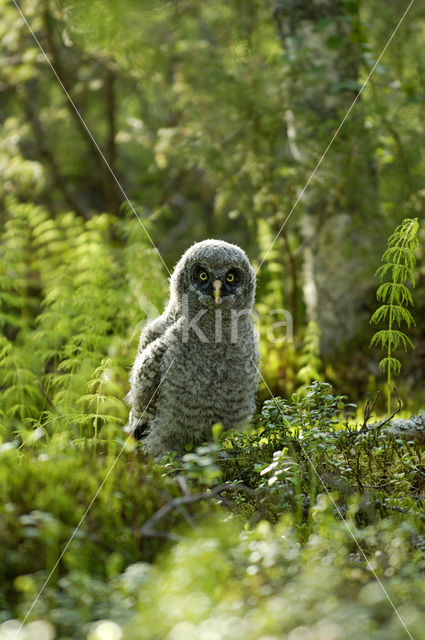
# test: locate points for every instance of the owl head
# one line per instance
(213, 274)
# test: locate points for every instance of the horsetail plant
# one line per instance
(398, 263)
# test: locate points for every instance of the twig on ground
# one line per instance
(368, 410)
(148, 529)
(368, 414)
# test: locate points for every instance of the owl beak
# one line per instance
(217, 284)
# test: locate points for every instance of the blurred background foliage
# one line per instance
(212, 117)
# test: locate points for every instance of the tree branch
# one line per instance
(148, 529)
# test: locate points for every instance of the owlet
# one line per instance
(197, 362)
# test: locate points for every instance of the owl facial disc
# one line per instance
(213, 273)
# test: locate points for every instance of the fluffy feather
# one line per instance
(211, 366)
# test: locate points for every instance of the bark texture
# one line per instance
(322, 41)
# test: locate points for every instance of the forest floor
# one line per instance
(305, 526)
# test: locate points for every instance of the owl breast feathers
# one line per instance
(197, 362)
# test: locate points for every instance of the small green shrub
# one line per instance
(228, 582)
(275, 558)
(45, 493)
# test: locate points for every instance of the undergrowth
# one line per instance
(252, 535)
(69, 299)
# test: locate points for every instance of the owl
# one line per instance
(197, 362)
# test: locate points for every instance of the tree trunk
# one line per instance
(321, 43)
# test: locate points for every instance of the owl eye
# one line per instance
(230, 277)
(203, 275)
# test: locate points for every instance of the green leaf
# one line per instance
(392, 363)
(380, 314)
(335, 42)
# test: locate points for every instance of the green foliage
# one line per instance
(278, 536)
(212, 116)
(44, 496)
(398, 263)
(277, 312)
(255, 583)
(301, 444)
(210, 135)
(238, 582)
(309, 360)
(201, 465)
(70, 297)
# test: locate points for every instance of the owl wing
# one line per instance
(145, 379)
(155, 329)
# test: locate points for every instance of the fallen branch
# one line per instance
(394, 507)
(368, 410)
(368, 413)
(412, 428)
(148, 529)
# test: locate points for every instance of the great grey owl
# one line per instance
(197, 362)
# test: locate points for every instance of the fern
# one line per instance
(68, 307)
(281, 362)
(398, 263)
(309, 361)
